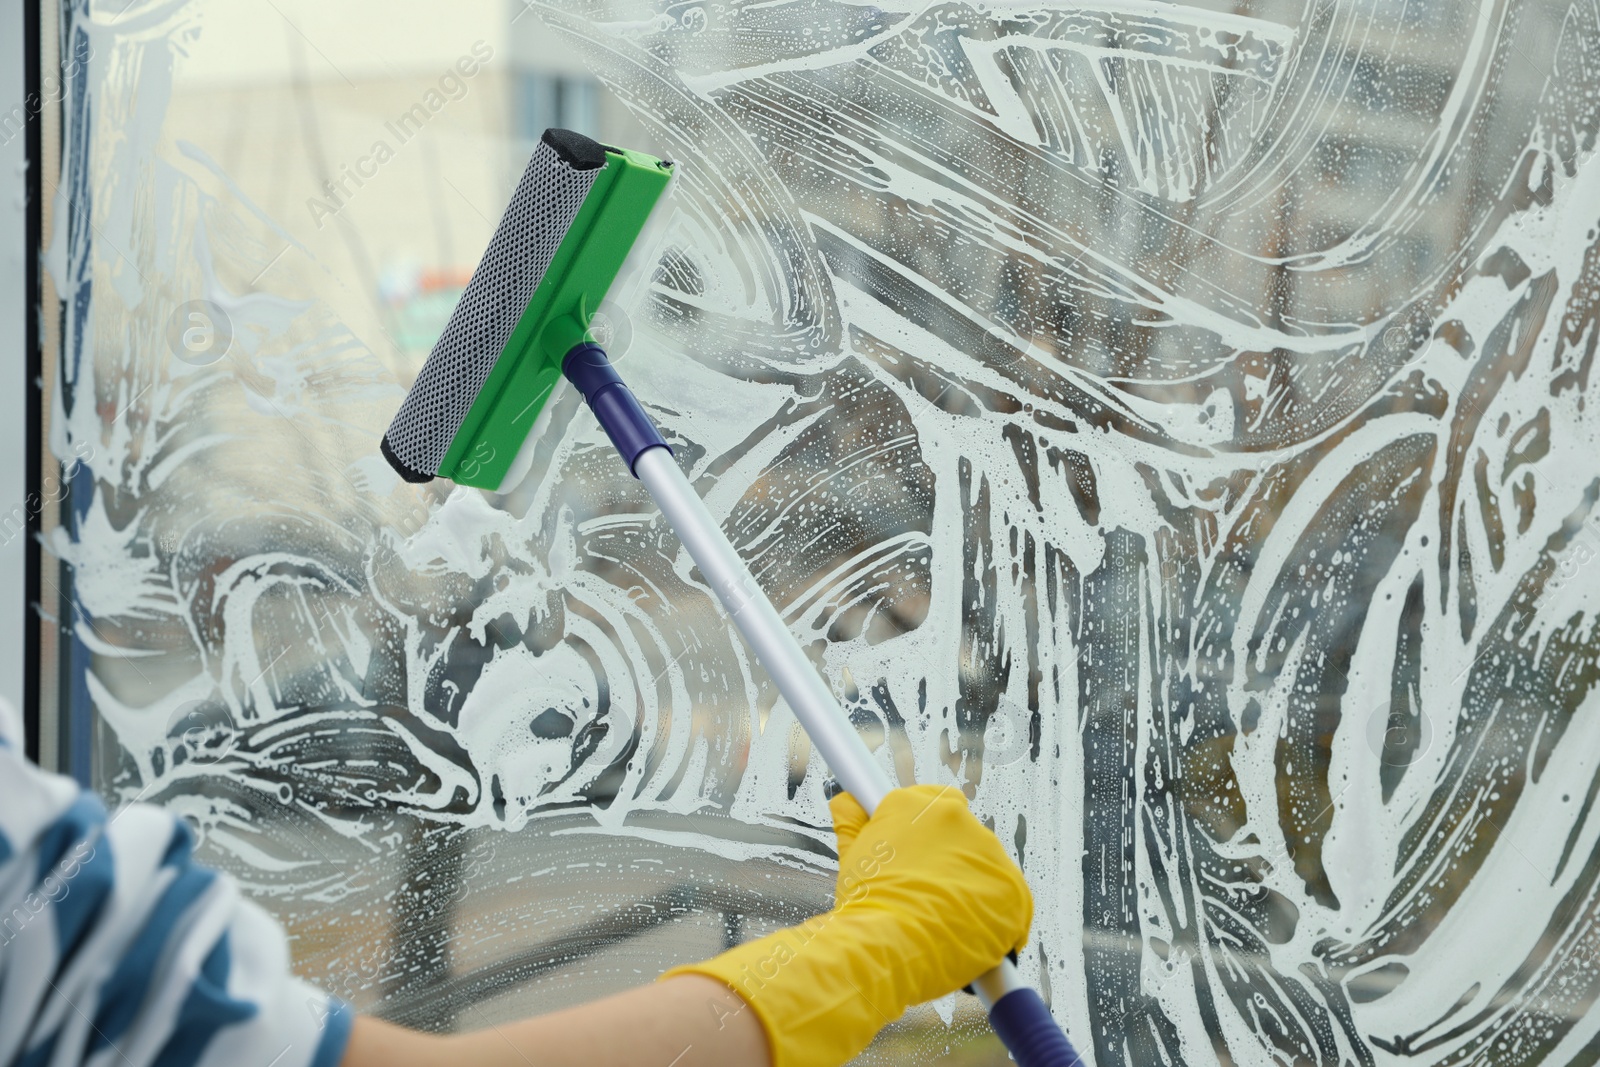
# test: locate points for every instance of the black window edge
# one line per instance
(33, 618)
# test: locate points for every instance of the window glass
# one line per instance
(1166, 423)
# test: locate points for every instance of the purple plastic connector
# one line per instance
(612, 402)
(1033, 1038)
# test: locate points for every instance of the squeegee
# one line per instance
(523, 324)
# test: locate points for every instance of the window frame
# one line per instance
(21, 409)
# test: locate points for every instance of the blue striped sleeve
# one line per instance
(123, 995)
(207, 1009)
(116, 945)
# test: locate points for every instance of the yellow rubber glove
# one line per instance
(927, 900)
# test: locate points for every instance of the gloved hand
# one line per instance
(927, 900)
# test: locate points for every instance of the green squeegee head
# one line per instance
(575, 217)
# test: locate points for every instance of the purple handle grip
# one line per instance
(613, 403)
(1029, 1032)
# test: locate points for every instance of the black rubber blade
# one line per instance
(400, 468)
(576, 150)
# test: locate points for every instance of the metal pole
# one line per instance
(1016, 1012)
(775, 646)
(769, 636)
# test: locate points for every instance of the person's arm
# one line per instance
(127, 942)
(688, 1021)
(926, 900)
